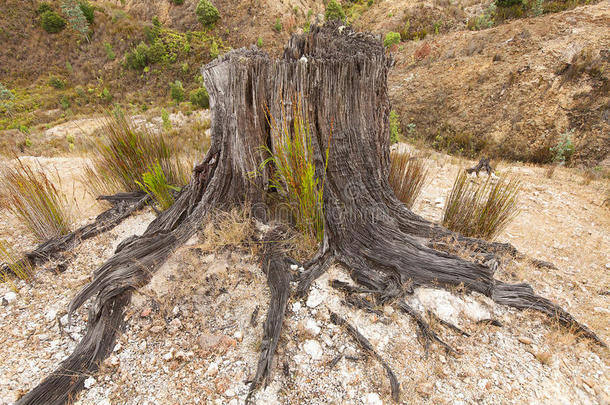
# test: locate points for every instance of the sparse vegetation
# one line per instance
(227, 230)
(207, 14)
(76, 18)
(52, 22)
(407, 176)
(562, 152)
(391, 38)
(57, 83)
(277, 27)
(87, 10)
(126, 153)
(334, 11)
(22, 269)
(109, 51)
(481, 210)
(33, 198)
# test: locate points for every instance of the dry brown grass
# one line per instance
(550, 171)
(407, 176)
(228, 229)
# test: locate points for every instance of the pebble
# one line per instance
(296, 307)
(10, 297)
(525, 340)
(313, 348)
(311, 327)
(51, 315)
(372, 399)
(212, 370)
(315, 298)
(239, 335)
(89, 382)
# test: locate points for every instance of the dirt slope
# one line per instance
(511, 90)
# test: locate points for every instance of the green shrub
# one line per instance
(200, 98)
(57, 83)
(76, 17)
(277, 27)
(178, 2)
(109, 52)
(87, 10)
(43, 8)
(259, 42)
(481, 210)
(176, 91)
(391, 38)
(564, 149)
(20, 267)
(334, 11)
(167, 124)
(6, 99)
(508, 3)
(407, 176)
(138, 58)
(157, 52)
(33, 198)
(214, 50)
(125, 153)
(394, 127)
(52, 22)
(155, 184)
(207, 14)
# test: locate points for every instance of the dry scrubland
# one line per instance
(193, 334)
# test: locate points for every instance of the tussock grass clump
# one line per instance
(294, 175)
(17, 266)
(33, 198)
(126, 154)
(407, 176)
(481, 210)
(227, 229)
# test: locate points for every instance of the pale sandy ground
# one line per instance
(189, 337)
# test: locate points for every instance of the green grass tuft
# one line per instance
(294, 174)
(481, 210)
(407, 176)
(155, 184)
(17, 266)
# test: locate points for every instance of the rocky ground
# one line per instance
(193, 333)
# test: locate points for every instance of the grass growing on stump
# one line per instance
(127, 153)
(33, 198)
(295, 172)
(481, 210)
(407, 176)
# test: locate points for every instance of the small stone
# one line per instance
(64, 320)
(117, 347)
(10, 297)
(145, 312)
(372, 399)
(388, 310)
(311, 327)
(315, 298)
(525, 340)
(424, 389)
(313, 348)
(168, 356)
(89, 382)
(157, 329)
(293, 267)
(296, 307)
(239, 336)
(175, 325)
(176, 310)
(229, 393)
(51, 315)
(212, 370)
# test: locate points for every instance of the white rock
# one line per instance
(64, 320)
(212, 370)
(311, 327)
(176, 310)
(168, 356)
(229, 393)
(89, 382)
(239, 335)
(10, 297)
(296, 307)
(315, 298)
(294, 266)
(372, 399)
(313, 348)
(51, 315)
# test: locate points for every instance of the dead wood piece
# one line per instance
(368, 347)
(426, 332)
(361, 303)
(103, 222)
(482, 165)
(448, 324)
(276, 266)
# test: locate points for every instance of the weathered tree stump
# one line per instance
(341, 77)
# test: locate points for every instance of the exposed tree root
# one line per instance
(482, 165)
(124, 205)
(368, 347)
